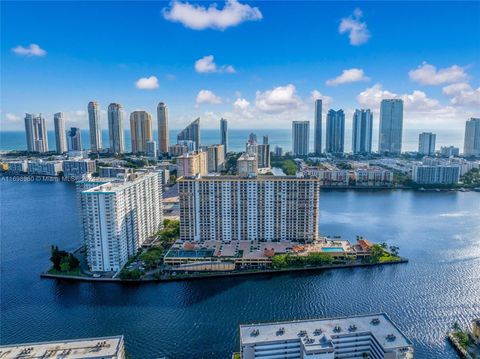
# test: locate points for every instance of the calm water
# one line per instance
(237, 138)
(439, 232)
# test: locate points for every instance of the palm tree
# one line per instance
(365, 355)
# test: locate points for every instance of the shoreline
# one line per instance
(47, 275)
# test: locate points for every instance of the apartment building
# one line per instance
(44, 168)
(78, 168)
(192, 163)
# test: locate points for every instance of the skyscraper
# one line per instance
(74, 139)
(162, 119)
(191, 132)
(36, 133)
(140, 130)
(94, 125)
(362, 131)
(224, 135)
(426, 143)
(335, 131)
(391, 126)
(115, 128)
(471, 145)
(300, 134)
(60, 136)
(215, 158)
(317, 137)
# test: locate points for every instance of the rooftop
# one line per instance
(93, 348)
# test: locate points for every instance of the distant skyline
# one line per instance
(240, 61)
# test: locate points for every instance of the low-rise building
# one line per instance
(113, 172)
(16, 167)
(373, 177)
(362, 336)
(44, 168)
(329, 177)
(78, 168)
(90, 348)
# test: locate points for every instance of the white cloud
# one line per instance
(326, 100)
(357, 30)
(278, 99)
(347, 76)
(147, 83)
(462, 94)
(372, 96)
(207, 96)
(10, 117)
(199, 17)
(456, 88)
(207, 65)
(30, 50)
(427, 74)
(241, 104)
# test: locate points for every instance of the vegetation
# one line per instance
(344, 166)
(152, 257)
(231, 162)
(63, 261)
(288, 260)
(287, 165)
(379, 254)
(131, 274)
(471, 178)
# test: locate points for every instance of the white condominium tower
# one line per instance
(300, 134)
(216, 158)
(191, 133)
(117, 217)
(391, 126)
(60, 137)
(162, 119)
(140, 130)
(94, 125)
(426, 143)
(74, 138)
(317, 128)
(265, 208)
(192, 164)
(115, 128)
(362, 132)
(224, 135)
(36, 133)
(472, 138)
(335, 136)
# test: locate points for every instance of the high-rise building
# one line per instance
(265, 140)
(300, 134)
(449, 151)
(335, 136)
(60, 134)
(162, 119)
(191, 132)
(263, 155)
(118, 217)
(151, 150)
(391, 126)
(471, 145)
(140, 130)
(247, 164)
(278, 151)
(362, 336)
(36, 132)
(115, 128)
(224, 135)
(441, 174)
(74, 139)
(94, 126)
(263, 208)
(252, 138)
(216, 158)
(362, 132)
(192, 164)
(426, 143)
(317, 128)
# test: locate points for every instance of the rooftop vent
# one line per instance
(302, 333)
(281, 331)
(255, 332)
(317, 331)
(375, 321)
(352, 328)
(337, 329)
(391, 337)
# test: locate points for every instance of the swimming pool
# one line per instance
(332, 249)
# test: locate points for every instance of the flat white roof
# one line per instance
(328, 327)
(90, 348)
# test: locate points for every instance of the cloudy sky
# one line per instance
(258, 64)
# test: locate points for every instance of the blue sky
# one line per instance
(259, 64)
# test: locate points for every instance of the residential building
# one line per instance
(74, 139)
(94, 126)
(263, 155)
(178, 150)
(441, 174)
(17, 167)
(162, 119)
(192, 164)
(89, 348)
(79, 168)
(426, 143)
(36, 132)
(300, 133)
(60, 134)
(44, 168)
(265, 140)
(252, 138)
(263, 208)
(391, 126)
(224, 135)
(216, 158)
(471, 145)
(278, 151)
(449, 151)
(191, 132)
(362, 132)
(247, 164)
(140, 130)
(317, 128)
(118, 217)
(362, 336)
(115, 128)
(113, 172)
(373, 177)
(329, 177)
(151, 149)
(191, 145)
(335, 136)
